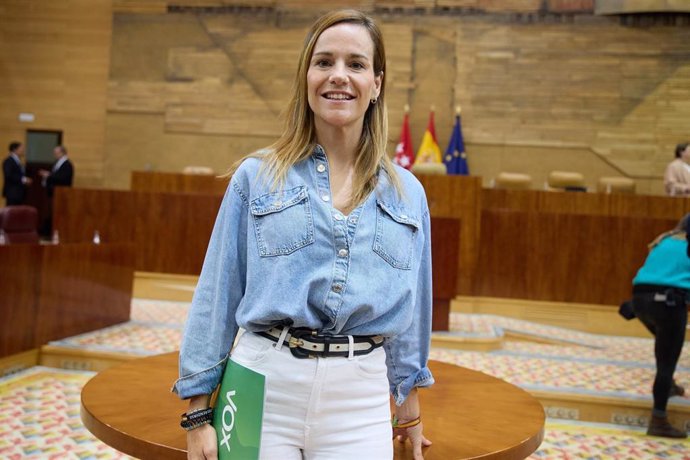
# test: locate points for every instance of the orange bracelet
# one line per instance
(410, 424)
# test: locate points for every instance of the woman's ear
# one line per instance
(378, 80)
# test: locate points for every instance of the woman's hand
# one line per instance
(409, 411)
(416, 437)
(202, 443)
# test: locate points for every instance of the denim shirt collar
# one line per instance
(387, 197)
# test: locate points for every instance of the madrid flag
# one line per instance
(403, 151)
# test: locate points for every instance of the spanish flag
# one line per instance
(429, 152)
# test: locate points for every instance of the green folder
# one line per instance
(239, 412)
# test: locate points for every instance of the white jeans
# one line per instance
(320, 409)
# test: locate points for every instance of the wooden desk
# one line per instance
(49, 292)
(467, 414)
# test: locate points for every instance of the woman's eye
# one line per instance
(357, 65)
(322, 63)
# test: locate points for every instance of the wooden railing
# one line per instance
(574, 247)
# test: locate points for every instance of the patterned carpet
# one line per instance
(39, 419)
(39, 407)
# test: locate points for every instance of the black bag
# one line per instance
(626, 310)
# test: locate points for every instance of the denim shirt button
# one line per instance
(326, 198)
(343, 253)
(337, 288)
(321, 168)
(338, 216)
(353, 220)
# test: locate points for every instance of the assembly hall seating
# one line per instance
(19, 224)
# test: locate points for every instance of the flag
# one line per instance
(428, 151)
(455, 157)
(403, 151)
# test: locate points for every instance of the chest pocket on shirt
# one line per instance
(282, 221)
(395, 236)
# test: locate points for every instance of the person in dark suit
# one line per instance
(16, 181)
(61, 174)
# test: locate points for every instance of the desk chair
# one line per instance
(437, 169)
(201, 170)
(512, 181)
(616, 184)
(565, 181)
(19, 224)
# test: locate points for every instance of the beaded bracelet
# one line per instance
(409, 424)
(196, 418)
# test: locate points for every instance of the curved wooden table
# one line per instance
(467, 414)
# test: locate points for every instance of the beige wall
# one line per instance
(565, 92)
(54, 60)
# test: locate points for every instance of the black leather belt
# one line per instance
(308, 343)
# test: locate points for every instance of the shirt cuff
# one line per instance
(420, 379)
(200, 383)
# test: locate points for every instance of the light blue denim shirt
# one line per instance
(289, 257)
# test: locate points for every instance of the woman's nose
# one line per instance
(338, 75)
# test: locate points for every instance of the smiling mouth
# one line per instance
(338, 97)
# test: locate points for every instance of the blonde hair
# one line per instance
(298, 139)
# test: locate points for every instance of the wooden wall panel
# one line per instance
(502, 261)
(586, 203)
(50, 292)
(18, 297)
(591, 94)
(177, 183)
(585, 86)
(517, 200)
(445, 252)
(562, 257)
(173, 230)
(170, 230)
(83, 287)
(55, 58)
(78, 213)
(458, 197)
(649, 206)
(573, 202)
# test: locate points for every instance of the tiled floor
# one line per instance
(39, 407)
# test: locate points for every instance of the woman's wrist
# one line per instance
(409, 410)
(401, 424)
(199, 402)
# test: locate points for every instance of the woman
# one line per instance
(661, 291)
(677, 175)
(320, 233)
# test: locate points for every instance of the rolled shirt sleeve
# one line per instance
(408, 352)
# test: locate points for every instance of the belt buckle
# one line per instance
(295, 343)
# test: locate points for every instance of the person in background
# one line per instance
(61, 174)
(322, 250)
(677, 175)
(16, 181)
(661, 290)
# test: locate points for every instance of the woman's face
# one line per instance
(340, 79)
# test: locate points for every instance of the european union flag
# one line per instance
(455, 157)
